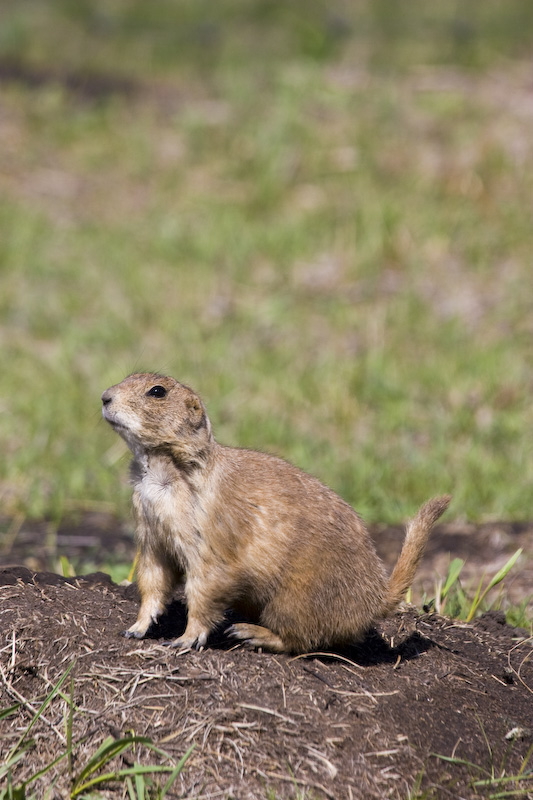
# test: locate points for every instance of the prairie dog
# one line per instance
(248, 531)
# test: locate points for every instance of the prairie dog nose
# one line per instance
(107, 397)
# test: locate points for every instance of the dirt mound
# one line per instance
(363, 723)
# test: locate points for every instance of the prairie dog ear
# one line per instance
(196, 411)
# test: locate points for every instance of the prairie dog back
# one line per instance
(246, 530)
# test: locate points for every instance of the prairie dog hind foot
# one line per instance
(257, 636)
(187, 643)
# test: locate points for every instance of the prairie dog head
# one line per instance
(156, 413)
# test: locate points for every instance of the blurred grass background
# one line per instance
(318, 214)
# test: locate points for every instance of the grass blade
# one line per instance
(14, 759)
(48, 767)
(6, 712)
(129, 787)
(459, 761)
(525, 761)
(488, 782)
(70, 720)
(131, 574)
(453, 573)
(109, 748)
(500, 575)
(66, 567)
(44, 705)
(176, 772)
(118, 775)
(112, 747)
(476, 601)
(140, 786)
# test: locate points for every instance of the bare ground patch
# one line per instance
(364, 723)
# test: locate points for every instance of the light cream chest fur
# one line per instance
(172, 515)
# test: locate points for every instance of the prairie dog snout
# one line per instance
(247, 530)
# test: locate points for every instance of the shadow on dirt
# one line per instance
(372, 651)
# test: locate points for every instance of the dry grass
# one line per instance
(358, 724)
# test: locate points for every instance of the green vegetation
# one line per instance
(99, 768)
(318, 215)
(493, 779)
(453, 600)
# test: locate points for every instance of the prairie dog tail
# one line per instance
(418, 530)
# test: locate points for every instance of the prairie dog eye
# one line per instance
(156, 391)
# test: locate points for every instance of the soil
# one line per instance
(373, 721)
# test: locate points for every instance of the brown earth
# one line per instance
(368, 722)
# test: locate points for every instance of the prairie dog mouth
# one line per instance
(112, 421)
(118, 426)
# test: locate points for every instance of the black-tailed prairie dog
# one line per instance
(248, 531)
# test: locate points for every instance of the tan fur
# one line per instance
(248, 531)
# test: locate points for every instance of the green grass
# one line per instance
(492, 779)
(98, 769)
(462, 602)
(316, 215)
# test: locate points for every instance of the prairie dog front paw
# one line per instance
(132, 634)
(150, 611)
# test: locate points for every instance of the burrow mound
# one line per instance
(368, 722)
